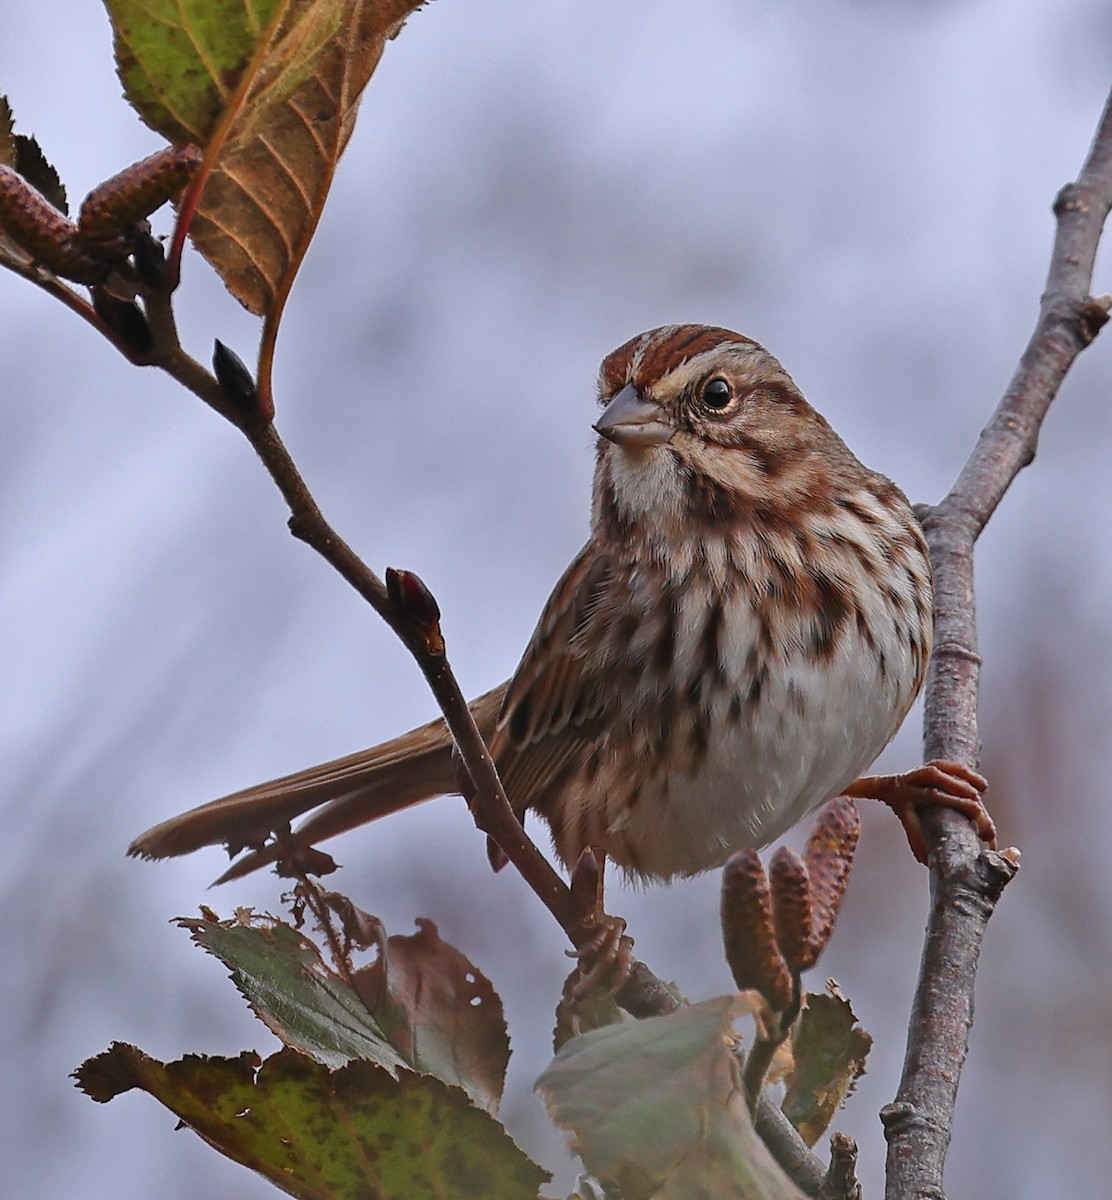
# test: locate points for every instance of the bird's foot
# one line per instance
(938, 782)
(604, 952)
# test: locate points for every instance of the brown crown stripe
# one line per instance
(672, 346)
(660, 351)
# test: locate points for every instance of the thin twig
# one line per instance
(757, 1064)
(796, 1159)
(965, 882)
(841, 1177)
(643, 994)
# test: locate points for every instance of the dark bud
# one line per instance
(304, 860)
(126, 320)
(149, 256)
(413, 600)
(234, 377)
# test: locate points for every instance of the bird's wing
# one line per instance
(558, 698)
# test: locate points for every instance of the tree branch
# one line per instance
(966, 882)
(408, 614)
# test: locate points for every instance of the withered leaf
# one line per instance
(829, 1049)
(270, 88)
(439, 1012)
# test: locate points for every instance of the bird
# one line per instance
(743, 633)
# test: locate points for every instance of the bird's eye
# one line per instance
(717, 393)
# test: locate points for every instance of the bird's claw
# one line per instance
(938, 782)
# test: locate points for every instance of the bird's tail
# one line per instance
(346, 792)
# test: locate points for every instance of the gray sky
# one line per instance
(864, 188)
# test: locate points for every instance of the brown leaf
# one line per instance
(277, 147)
(439, 1012)
(7, 137)
(830, 1049)
(34, 166)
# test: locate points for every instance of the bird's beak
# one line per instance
(632, 421)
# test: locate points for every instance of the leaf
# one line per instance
(286, 982)
(180, 64)
(270, 88)
(439, 1012)
(421, 1005)
(33, 165)
(830, 1049)
(23, 154)
(7, 137)
(329, 1135)
(657, 1109)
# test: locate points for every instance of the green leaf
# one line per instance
(284, 979)
(829, 1049)
(349, 1134)
(657, 1109)
(180, 61)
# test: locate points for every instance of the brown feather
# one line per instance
(353, 790)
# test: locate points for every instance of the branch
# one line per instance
(966, 882)
(412, 613)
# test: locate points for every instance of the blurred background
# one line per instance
(863, 187)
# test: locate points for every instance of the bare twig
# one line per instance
(965, 882)
(643, 994)
(757, 1064)
(841, 1178)
(795, 1158)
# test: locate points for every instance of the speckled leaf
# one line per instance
(329, 1135)
(829, 1049)
(284, 979)
(657, 1110)
(439, 1012)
